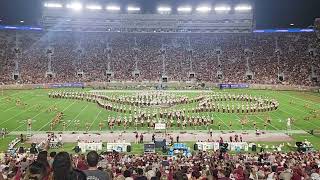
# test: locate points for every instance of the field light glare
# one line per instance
(53, 5)
(222, 8)
(94, 7)
(113, 8)
(131, 8)
(75, 6)
(203, 9)
(243, 8)
(164, 9)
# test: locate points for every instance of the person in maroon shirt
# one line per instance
(81, 165)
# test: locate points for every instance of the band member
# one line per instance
(77, 125)
(64, 125)
(255, 125)
(51, 125)
(29, 123)
(100, 125)
(149, 123)
(125, 122)
(119, 121)
(87, 126)
(178, 123)
(184, 124)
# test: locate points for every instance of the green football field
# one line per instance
(297, 105)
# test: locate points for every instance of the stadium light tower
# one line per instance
(93, 7)
(222, 9)
(52, 5)
(75, 6)
(133, 9)
(243, 8)
(184, 9)
(203, 9)
(113, 8)
(164, 9)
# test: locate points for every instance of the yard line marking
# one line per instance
(291, 123)
(317, 104)
(19, 97)
(95, 119)
(42, 111)
(16, 106)
(303, 120)
(222, 121)
(77, 116)
(17, 115)
(13, 94)
(62, 111)
(269, 124)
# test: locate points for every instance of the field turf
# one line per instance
(292, 104)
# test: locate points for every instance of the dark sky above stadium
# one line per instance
(268, 13)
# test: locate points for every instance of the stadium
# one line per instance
(158, 90)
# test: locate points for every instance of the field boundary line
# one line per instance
(16, 115)
(77, 116)
(16, 105)
(95, 118)
(42, 111)
(62, 111)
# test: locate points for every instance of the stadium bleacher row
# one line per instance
(269, 58)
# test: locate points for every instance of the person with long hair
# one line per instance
(36, 171)
(63, 170)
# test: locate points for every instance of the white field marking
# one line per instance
(16, 106)
(304, 121)
(16, 115)
(285, 120)
(269, 124)
(317, 104)
(297, 109)
(77, 116)
(222, 121)
(95, 119)
(14, 94)
(42, 111)
(62, 111)
(239, 117)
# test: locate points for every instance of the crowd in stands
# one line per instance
(201, 165)
(91, 52)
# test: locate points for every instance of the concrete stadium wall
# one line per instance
(152, 85)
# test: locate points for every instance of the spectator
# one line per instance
(93, 172)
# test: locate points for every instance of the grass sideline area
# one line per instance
(138, 148)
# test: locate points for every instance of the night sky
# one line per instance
(268, 13)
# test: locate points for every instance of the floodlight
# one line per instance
(243, 8)
(75, 6)
(222, 8)
(22, 21)
(53, 5)
(184, 9)
(113, 8)
(94, 7)
(164, 9)
(132, 8)
(203, 9)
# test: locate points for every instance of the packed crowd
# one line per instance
(292, 55)
(201, 165)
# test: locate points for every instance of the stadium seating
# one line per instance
(271, 58)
